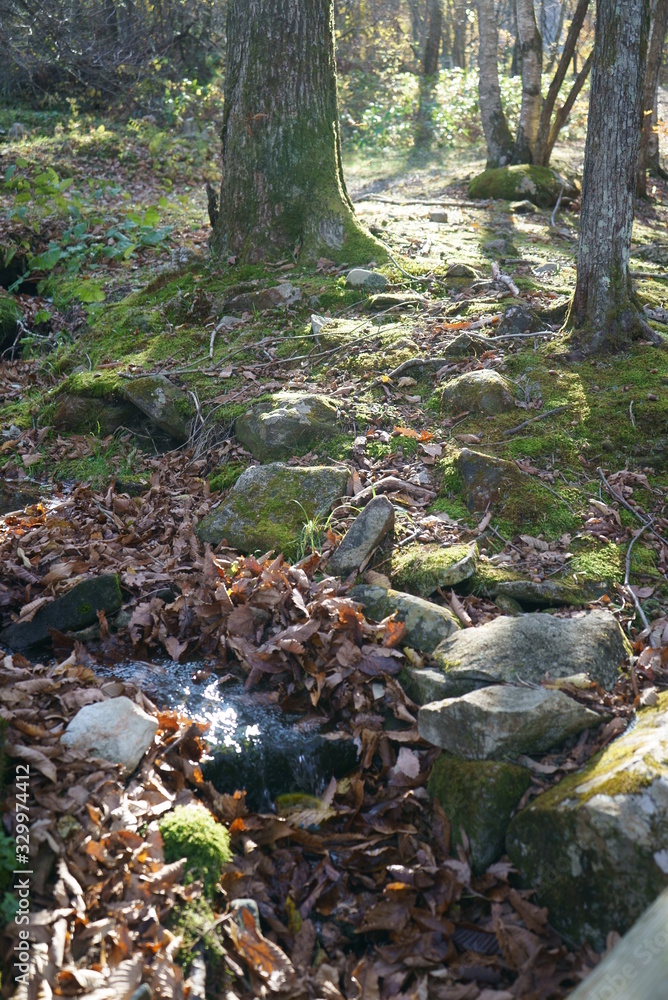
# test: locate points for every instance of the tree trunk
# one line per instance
(541, 155)
(459, 35)
(283, 190)
(432, 44)
(497, 134)
(424, 128)
(604, 314)
(654, 53)
(531, 46)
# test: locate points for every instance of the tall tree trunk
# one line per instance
(654, 53)
(541, 155)
(432, 43)
(283, 190)
(531, 45)
(459, 35)
(424, 129)
(497, 134)
(604, 313)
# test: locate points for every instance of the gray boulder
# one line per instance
(533, 648)
(286, 424)
(503, 721)
(540, 185)
(269, 505)
(86, 413)
(461, 271)
(168, 407)
(367, 531)
(425, 684)
(483, 391)
(478, 797)
(426, 623)
(519, 319)
(465, 343)
(422, 569)
(549, 593)
(486, 479)
(278, 297)
(361, 277)
(595, 847)
(117, 730)
(73, 611)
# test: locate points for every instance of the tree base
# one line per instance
(618, 333)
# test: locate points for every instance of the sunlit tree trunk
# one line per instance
(604, 314)
(531, 47)
(498, 139)
(282, 190)
(648, 137)
(424, 128)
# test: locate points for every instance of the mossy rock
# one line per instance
(165, 404)
(269, 506)
(193, 833)
(595, 847)
(550, 593)
(524, 181)
(286, 424)
(93, 414)
(422, 569)
(479, 797)
(483, 391)
(426, 623)
(10, 318)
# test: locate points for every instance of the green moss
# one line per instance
(195, 923)
(422, 569)
(192, 832)
(537, 184)
(226, 475)
(487, 577)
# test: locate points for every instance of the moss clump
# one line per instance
(193, 833)
(226, 476)
(541, 185)
(422, 569)
(487, 577)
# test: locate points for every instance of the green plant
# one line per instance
(193, 833)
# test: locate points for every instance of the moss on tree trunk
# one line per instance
(283, 190)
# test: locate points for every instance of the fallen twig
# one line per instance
(532, 420)
(391, 483)
(443, 203)
(553, 217)
(627, 574)
(648, 523)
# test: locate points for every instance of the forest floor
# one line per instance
(369, 897)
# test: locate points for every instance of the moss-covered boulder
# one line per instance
(464, 344)
(426, 623)
(550, 593)
(269, 505)
(169, 407)
(286, 424)
(91, 414)
(193, 833)
(523, 181)
(478, 797)
(278, 297)
(595, 847)
(422, 569)
(73, 611)
(504, 720)
(10, 319)
(534, 648)
(483, 391)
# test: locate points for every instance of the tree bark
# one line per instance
(424, 128)
(433, 41)
(604, 314)
(531, 47)
(283, 190)
(497, 134)
(654, 53)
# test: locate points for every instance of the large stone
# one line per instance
(503, 721)
(466, 343)
(388, 300)
(10, 319)
(482, 391)
(486, 479)
(519, 319)
(426, 623)
(168, 407)
(539, 185)
(367, 531)
(115, 730)
(278, 297)
(549, 593)
(533, 648)
(425, 684)
(73, 611)
(595, 847)
(286, 424)
(478, 797)
(88, 414)
(269, 505)
(422, 569)
(360, 277)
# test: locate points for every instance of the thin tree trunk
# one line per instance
(604, 313)
(424, 129)
(654, 53)
(562, 115)
(459, 35)
(531, 45)
(433, 41)
(540, 148)
(283, 190)
(497, 134)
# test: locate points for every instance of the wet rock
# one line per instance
(426, 623)
(461, 271)
(86, 413)
(279, 297)
(286, 424)
(523, 208)
(73, 611)
(549, 593)
(466, 343)
(519, 319)
(367, 531)
(539, 185)
(269, 505)
(117, 730)
(483, 391)
(503, 721)
(500, 248)
(360, 277)
(168, 407)
(595, 847)
(478, 796)
(533, 648)
(11, 318)
(422, 569)
(486, 479)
